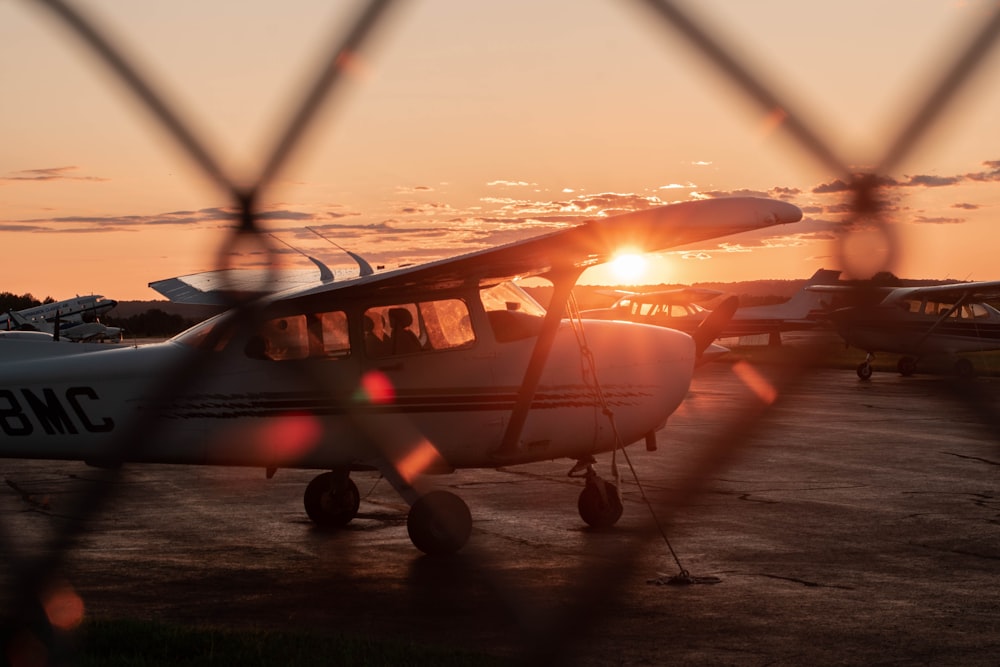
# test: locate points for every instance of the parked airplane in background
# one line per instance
(75, 319)
(678, 309)
(77, 309)
(918, 322)
(413, 371)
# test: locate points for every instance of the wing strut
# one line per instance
(563, 284)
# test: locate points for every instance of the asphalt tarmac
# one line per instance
(828, 521)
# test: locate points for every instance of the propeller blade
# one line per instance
(713, 325)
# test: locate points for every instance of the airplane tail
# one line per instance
(19, 321)
(713, 325)
(804, 304)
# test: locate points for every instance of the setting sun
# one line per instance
(628, 267)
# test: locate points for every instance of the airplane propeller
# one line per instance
(713, 325)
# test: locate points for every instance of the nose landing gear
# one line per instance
(600, 503)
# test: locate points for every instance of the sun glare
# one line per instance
(628, 267)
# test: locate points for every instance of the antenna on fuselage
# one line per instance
(363, 265)
(325, 274)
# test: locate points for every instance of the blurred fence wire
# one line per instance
(29, 578)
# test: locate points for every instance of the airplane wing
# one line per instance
(680, 296)
(222, 287)
(975, 291)
(218, 288)
(576, 248)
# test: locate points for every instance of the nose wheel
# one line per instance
(600, 504)
(865, 367)
(332, 500)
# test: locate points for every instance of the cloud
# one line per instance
(931, 181)
(509, 184)
(939, 220)
(50, 174)
(110, 223)
(722, 194)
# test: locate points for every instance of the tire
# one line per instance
(600, 510)
(439, 523)
(329, 507)
(906, 366)
(865, 370)
(964, 369)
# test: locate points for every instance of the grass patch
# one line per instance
(133, 643)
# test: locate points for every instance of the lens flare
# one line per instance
(757, 383)
(421, 458)
(376, 389)
(63, 607)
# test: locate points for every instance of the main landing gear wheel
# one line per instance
(439, 523)
(865, 370)
(332, 500)
(964, 368)
(906, 366)
(599, 504)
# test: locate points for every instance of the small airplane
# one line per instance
(74, 319)
(917, 322)
(77, 309)
(679, 309)
(410, 372)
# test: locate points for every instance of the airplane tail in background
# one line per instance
(18, 322)
(804, 304)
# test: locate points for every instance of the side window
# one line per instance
(447, 324)
(301, 336)
(414, 327)
(334, 340)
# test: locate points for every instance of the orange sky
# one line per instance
(471, 124)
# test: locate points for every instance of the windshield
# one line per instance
(510, 297)
(199, 336)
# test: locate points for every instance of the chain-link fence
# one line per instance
(29, 574)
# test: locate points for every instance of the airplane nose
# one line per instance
(644, 371)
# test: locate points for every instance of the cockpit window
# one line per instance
(406, 328)
(977, 311)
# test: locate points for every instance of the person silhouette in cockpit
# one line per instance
(401, 339)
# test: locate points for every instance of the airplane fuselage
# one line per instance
(894, 329)
(335, 403)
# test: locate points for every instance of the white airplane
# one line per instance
(918, 322)
(678, 309)
(74, 319)
(414, 371)
(77, 309)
